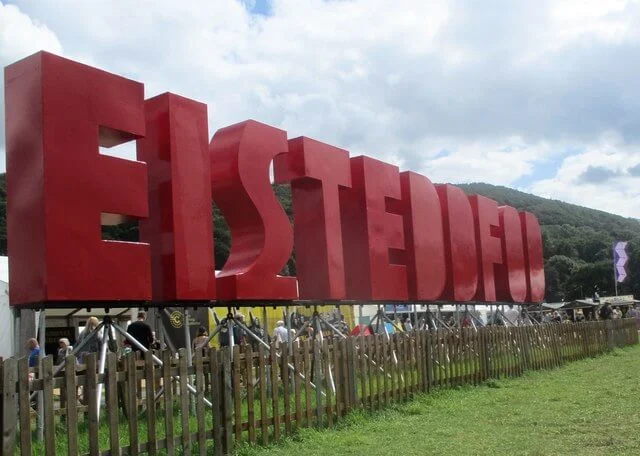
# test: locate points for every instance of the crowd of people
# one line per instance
(90, 340)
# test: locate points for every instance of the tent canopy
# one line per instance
(590, 303)
(575, 304)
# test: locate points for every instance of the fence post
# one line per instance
(317, 360)
(306, 356)
(362, 358)
(484, 352)
(185, 400)
(585, 340)
(250, 394)
(167, 385)
(91, 393)
(150, 390)
(338, 378)
(24, 407)
(217, 393)
(610, 335)
(227, 393)
(428, 353)
(286, 385)
(9, 396)
(275, 402)
(327, 375)
(132, 403)
(526, 355)
(344, 370)
(112, 398)
(353, 388)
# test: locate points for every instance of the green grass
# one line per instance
(589, 407)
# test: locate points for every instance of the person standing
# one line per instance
(64, 349)
(141, 331)
(34, 352)
(634, 313)
(201, 339)
(280, 333)
(92, 345)
(239, 334)
(606, 312)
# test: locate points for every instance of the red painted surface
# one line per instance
(424, 237)
(362, 230)
(58, 113)
(316, 172)
(489, 248)
(371, 233)
(460, 244)
(511, 279)
(179, 228)
(262, 235)
(534, 259)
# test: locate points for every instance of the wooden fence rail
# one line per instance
(256, 397)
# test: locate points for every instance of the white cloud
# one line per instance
(20, 36)
(487, 91)
(615, 191)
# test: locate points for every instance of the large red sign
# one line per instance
(362, 229)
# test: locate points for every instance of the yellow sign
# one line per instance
(176, 319)
(268, 316)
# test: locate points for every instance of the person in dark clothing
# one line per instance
(606, 312)
(141, 331)
(239, 335)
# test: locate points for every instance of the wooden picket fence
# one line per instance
(259, 396)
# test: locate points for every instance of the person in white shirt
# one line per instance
(512, 315)
(280, 333)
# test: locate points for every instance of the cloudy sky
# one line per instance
(536, 95)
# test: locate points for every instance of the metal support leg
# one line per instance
(156, 360)
(187, 336)
(288, 323)
(213, 334)
(232, 338)
(383, 317)
(302, 329)
(102, 362)
(342, 336)
(266, 345)
(75, 351)
(42, 339)
(318, 333)
(505, 317)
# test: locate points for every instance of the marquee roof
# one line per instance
(4, 269)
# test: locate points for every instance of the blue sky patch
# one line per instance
(261, 7)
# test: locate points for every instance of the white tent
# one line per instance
(7, 339)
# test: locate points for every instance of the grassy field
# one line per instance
(589, 407)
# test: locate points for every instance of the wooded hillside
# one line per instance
(577, 241)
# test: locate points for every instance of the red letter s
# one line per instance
(262, 237)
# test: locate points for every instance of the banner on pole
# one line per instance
(620, 260)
